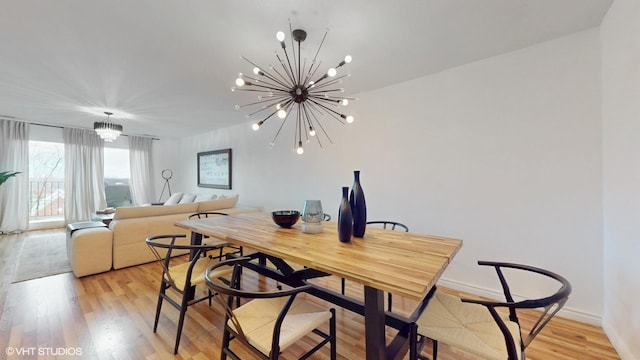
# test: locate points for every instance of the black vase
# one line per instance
(345, 220)
(358, 206)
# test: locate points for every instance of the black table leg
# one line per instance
(196, 239)
(374, 322)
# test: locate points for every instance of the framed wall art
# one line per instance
(214, 169)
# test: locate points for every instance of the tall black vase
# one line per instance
(358, 206)
(345, 220)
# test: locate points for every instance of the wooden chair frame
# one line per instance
(167, 244)
(235, 294)
(550, 305)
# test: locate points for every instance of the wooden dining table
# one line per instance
(403, 263)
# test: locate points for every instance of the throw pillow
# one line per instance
(218, 204)
(174, 199)
(187, 198)
(204, 197)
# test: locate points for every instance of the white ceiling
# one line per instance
(171, 64)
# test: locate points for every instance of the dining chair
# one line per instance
(385, 224)
(181, 276)
(207, 214)
(487, 328)
(270, 321)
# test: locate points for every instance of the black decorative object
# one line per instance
(358, 206)
(345, 220)
(285, 218)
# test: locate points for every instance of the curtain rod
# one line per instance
(62, 127)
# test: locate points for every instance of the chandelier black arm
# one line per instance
(299, 128)
(262, 81)
(266, 73)
(247, 83)
(299, 59)
(330, 111)
(311, 111)
(286, 85)
(326, 100)
(312, 71)
(265, 107)
(280, 129)
(293, 76)
(332, 81)
(320, 47)
(286, 71)
(309, 116)
(271, 98)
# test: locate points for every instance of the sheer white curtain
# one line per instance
(84, 174)
(14, 194)
(140, 162)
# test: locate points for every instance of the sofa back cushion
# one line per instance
(173, 199)
(146, 211)
(218, 204)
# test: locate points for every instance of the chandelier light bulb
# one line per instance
(237, 107)
(300, 150)
(350, 119)
(239, 82)
(347, 59)
(255, 127)
(256, 70)
(345, 102)
(332, 72)
(282, 114)
(278, 106)
(280, 36)
(312, 131)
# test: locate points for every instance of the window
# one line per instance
(46, 179)
(116, 177)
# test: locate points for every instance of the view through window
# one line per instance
(46, 179)
(116, 177)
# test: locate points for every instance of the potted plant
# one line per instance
(5, 175)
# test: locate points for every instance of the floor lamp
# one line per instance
(166, 175)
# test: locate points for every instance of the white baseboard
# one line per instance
(565, 312)
(618, 343)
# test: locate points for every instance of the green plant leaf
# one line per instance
(5, 175)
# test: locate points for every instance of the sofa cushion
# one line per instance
(204, 197)
(218, 204)
(146, 211)
(187, 198)
(173, 199)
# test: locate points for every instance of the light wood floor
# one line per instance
(110, 316)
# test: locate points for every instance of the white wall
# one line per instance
(620, 33)
(504, 153)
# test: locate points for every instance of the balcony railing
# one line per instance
(46, 199)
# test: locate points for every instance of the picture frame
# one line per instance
(214, 169)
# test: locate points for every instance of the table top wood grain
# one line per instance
(403, 263)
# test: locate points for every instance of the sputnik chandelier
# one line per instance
(107, 130)
(290, 92)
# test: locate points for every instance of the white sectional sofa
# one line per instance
(122, 244)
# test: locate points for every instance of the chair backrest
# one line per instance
(389, 225)
(234, 293)
(548, 305)
(206, 214)
(162, 247)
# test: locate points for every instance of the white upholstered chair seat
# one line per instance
(465, 326)
(178, 273)
(257, 319)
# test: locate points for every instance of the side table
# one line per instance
(104, 218)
